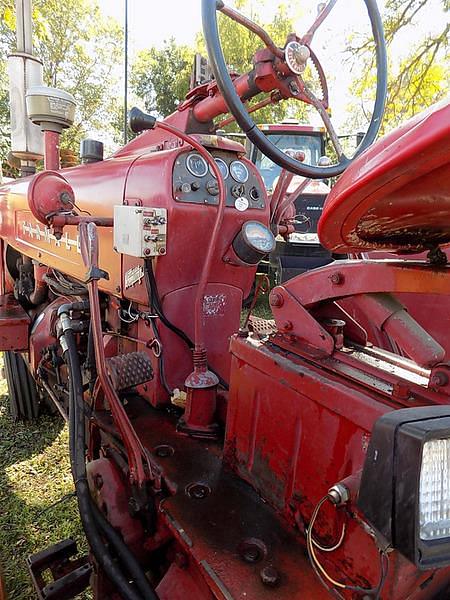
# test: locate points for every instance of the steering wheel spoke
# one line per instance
(251, 26)
(276, 71)
(323, 14)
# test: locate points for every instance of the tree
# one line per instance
(80, 50)
(160, 77)
(417, 79)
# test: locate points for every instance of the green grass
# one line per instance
(34, 474)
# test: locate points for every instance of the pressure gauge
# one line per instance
(223, 167)
(196, 165)
(239, 171)
(296, 56)
(253, 242)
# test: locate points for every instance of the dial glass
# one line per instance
(239, 171)
(223, 167)
(259, 236)
(196, 165)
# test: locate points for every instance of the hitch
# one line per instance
(70, 577)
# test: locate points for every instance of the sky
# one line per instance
(151, 22)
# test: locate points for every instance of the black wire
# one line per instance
(155, 301)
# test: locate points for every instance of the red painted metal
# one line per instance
(51, 152)
(14, 325)
(396, 197)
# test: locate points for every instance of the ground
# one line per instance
(34, 478)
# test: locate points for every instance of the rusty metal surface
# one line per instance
(14, 325)
(213, 514)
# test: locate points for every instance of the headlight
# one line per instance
(405, 486)
(434, 490)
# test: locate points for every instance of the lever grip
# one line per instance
(140, 121)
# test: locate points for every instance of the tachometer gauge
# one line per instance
(253, 242)
(196, 165)
(223, 167)
(239, 171)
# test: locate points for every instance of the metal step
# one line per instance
(70, 575)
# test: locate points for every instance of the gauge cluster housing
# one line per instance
(194, 183)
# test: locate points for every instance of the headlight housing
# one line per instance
(405, 486)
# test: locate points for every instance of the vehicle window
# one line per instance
(310, 145)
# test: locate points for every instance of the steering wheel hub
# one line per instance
(296, 56)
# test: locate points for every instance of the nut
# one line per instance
(276, 299)
(269, 576)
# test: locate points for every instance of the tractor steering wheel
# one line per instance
(290, 62)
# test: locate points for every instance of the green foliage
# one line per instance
(160, 77)
(80, 50)
(417, 80)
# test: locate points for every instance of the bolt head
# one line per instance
(276, 299)
(270, 576)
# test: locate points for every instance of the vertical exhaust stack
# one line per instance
(25, 71)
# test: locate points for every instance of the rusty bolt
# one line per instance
(98, 481)
(337, 278)
(147, 251)
(198, 491)
(276, 299)
(270, 576)
(439, 379)
(287, 325)
(164, 451)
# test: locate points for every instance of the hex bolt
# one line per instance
(147, 251)
(276, 299)
(287, 326)
(269, 576)
(337, 278)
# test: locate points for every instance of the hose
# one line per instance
(88, 517)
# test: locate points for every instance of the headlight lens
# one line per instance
(434, 492)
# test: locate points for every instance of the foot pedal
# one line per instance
(70, 576)
(130, 370)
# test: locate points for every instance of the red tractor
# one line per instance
(294, 459)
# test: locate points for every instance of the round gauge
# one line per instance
(253, 242)
(239, 171)
(223, 167)
(296, 56)
(196, 165)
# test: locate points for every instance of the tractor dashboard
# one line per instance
(194, 183)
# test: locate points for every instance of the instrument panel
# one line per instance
(193, 181)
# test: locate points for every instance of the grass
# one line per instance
(34, 475)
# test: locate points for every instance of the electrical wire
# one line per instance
(322, 573)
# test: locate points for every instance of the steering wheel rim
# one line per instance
(259, 139)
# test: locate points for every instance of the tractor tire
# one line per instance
(23, 393)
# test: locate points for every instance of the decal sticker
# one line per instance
(214, 305)
(133, 276)
(241, 204)
(44, 233)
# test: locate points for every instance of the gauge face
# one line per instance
(223, 167)
(196, 165)
(259, 237)
(239, 171)
(296, 56)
